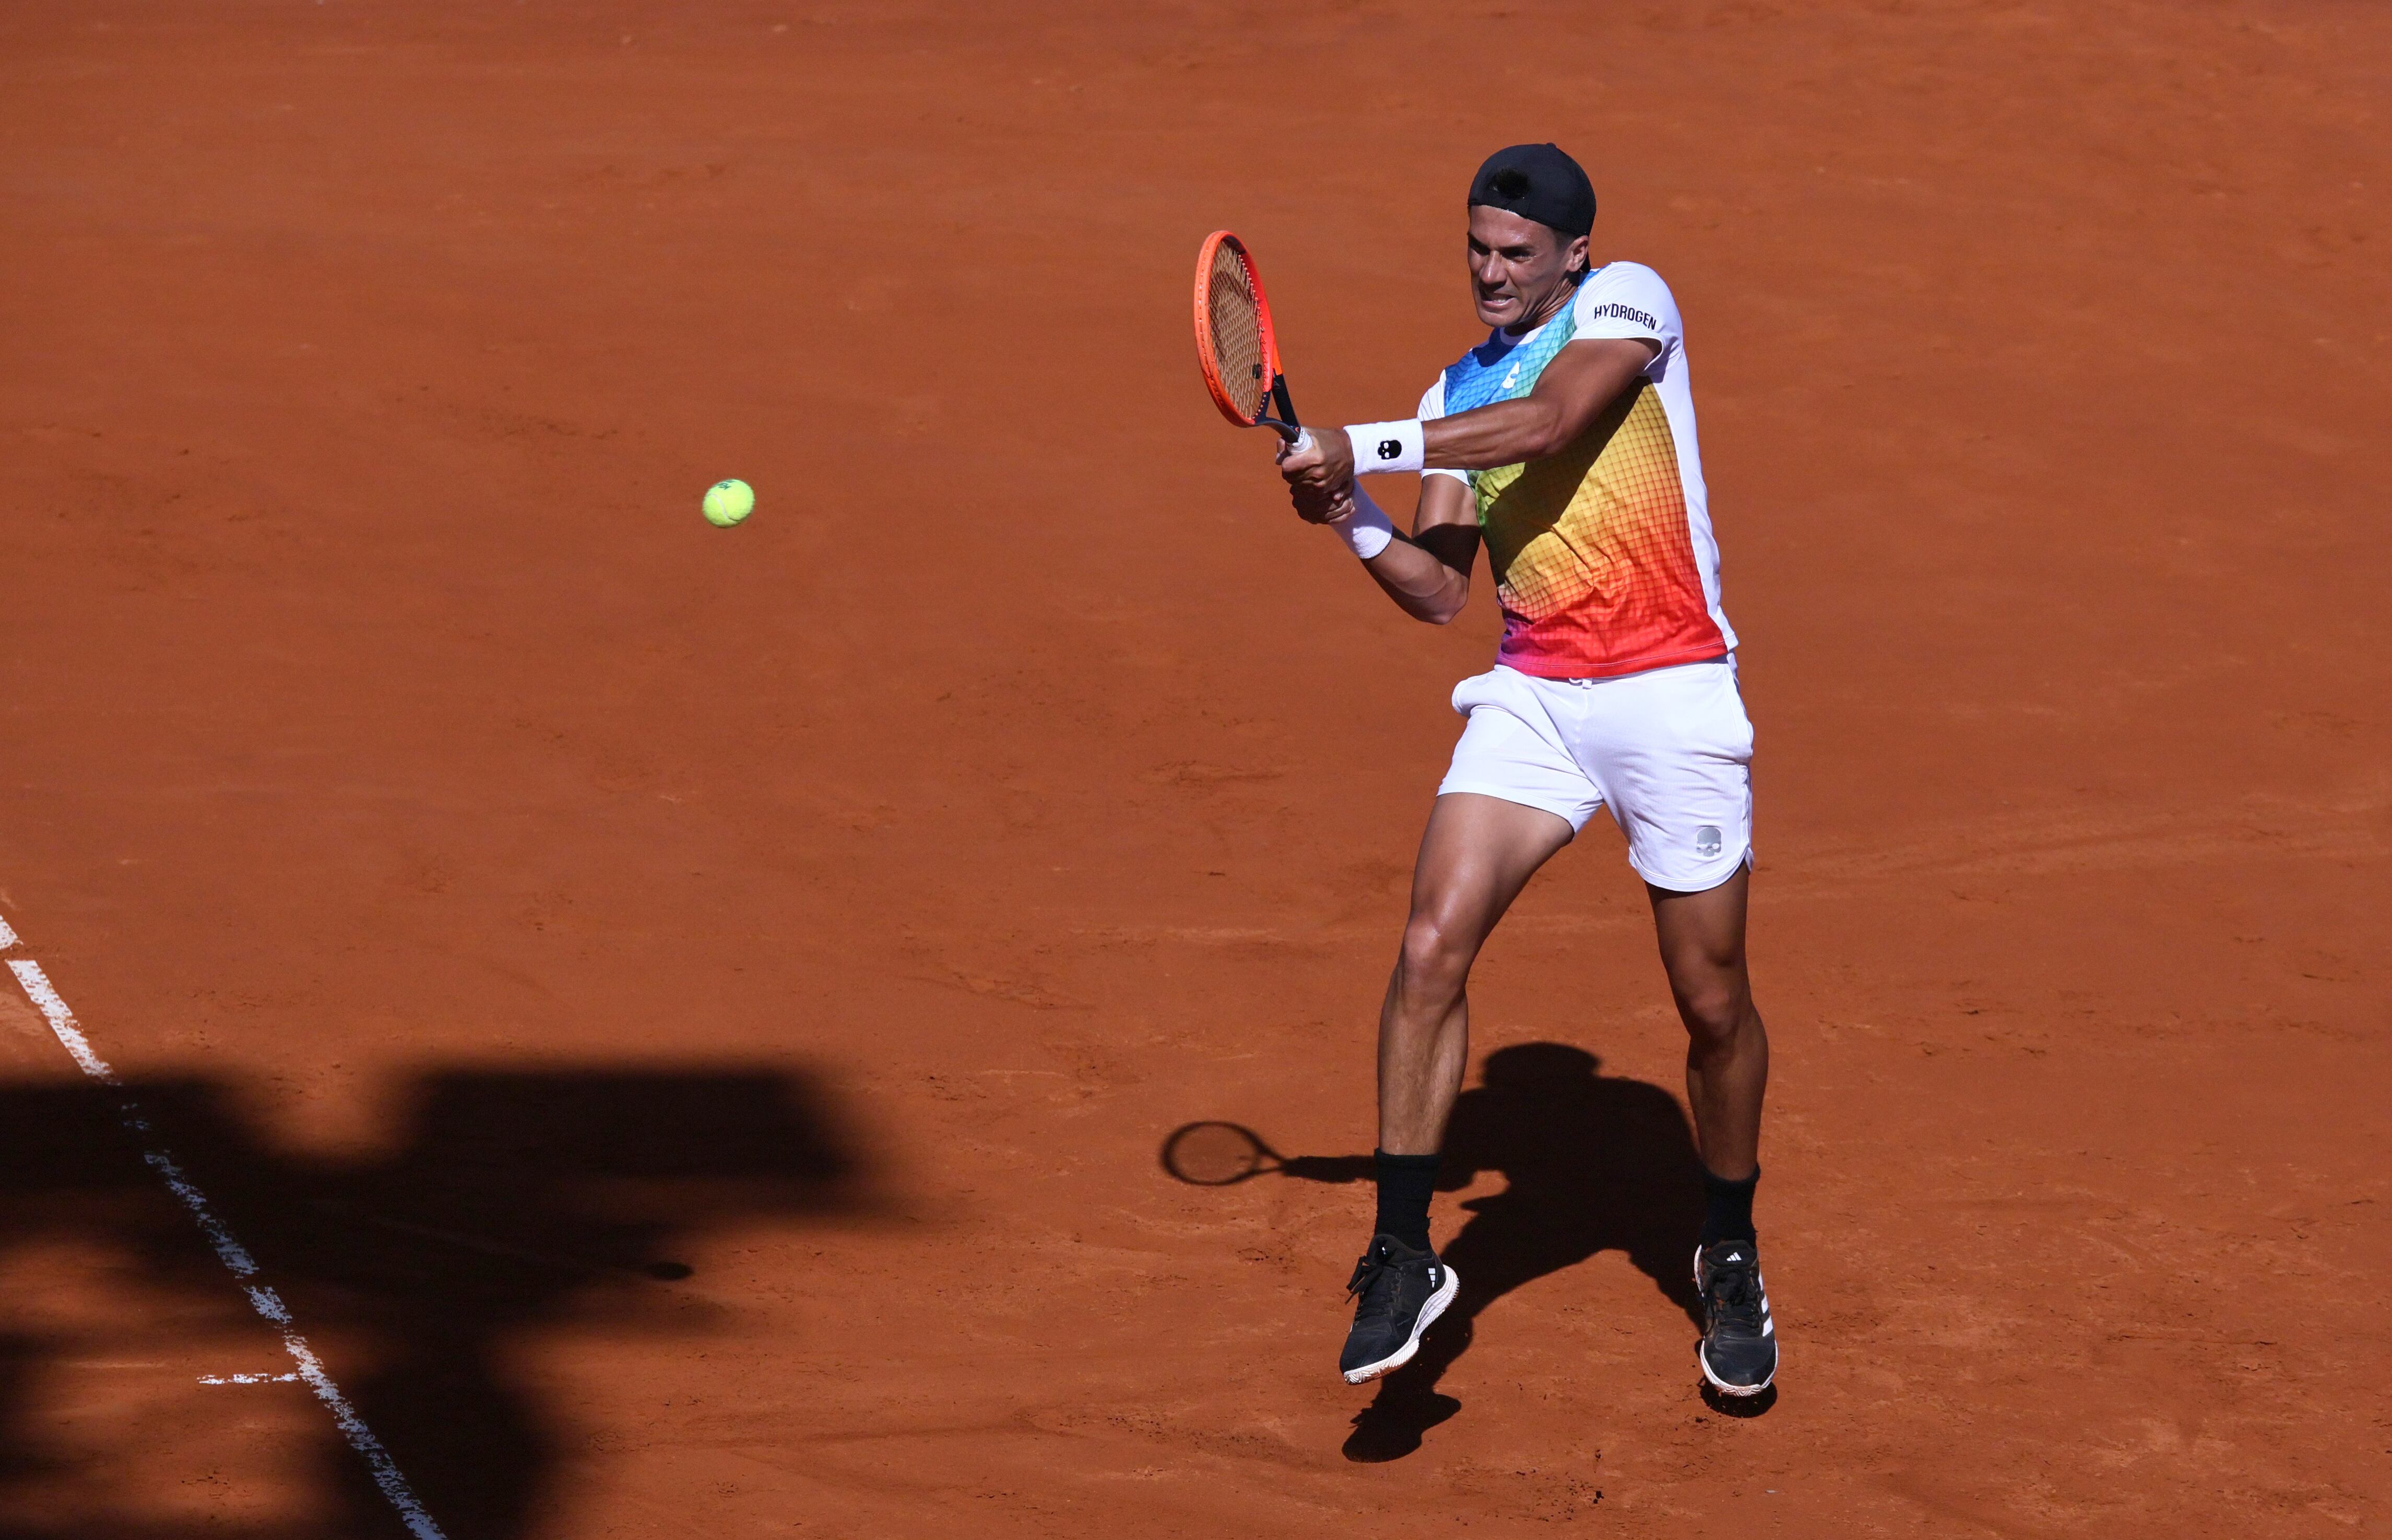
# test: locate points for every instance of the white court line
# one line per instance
(234, 1255)
(247, 1380)
(7, 936)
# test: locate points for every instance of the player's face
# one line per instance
(1519, 269)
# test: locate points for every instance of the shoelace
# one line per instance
(1366, 1273)
(1731, 1296)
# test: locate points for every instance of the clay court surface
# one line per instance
(686, 1019)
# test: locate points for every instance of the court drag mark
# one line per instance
(235, 1256)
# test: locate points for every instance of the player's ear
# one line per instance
(1575, 263)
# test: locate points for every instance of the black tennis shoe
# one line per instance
(1739, 1348)
(1398, 1292)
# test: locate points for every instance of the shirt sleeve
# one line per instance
(1431, 408)
(1627, 299)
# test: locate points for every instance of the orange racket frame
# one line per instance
(1285, 423)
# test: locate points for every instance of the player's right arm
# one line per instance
(1427, 574)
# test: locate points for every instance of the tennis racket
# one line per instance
(1236, 345)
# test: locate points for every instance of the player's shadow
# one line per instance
(1592, 1163)
(509, 1205)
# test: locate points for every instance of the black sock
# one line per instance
(1727, 1213)
(1406, 1183)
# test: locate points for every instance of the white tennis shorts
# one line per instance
(1669, 750)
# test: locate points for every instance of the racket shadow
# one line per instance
(1214, 1154)
(1592, 1163)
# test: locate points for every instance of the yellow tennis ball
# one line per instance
(729, 502)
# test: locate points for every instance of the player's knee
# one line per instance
(1436, 953)
(1714, 1011)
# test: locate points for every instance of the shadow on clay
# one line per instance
(511, 1203)
(1593, 1163)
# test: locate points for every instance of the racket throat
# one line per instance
(1284, 425)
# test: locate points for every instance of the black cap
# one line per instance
(1537, 181)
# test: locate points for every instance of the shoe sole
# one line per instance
(1429, 1311)
(1723, 1387)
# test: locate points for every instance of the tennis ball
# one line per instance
(728, 501)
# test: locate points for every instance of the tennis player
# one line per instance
(1565, 443)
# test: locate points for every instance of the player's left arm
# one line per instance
(1585, 377)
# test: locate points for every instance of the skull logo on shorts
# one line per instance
(1707, 841)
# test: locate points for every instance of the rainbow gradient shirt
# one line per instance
(1603, 553)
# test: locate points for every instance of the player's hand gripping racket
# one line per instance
(1236, 345)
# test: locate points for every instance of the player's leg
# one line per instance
(1673, 752)
(1727, 1048)
(1512, 797)
(1476, 856)
(1727, 1070)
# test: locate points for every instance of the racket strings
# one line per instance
(1235, 320)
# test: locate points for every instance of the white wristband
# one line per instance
(1388, 445)
(1365, 530)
